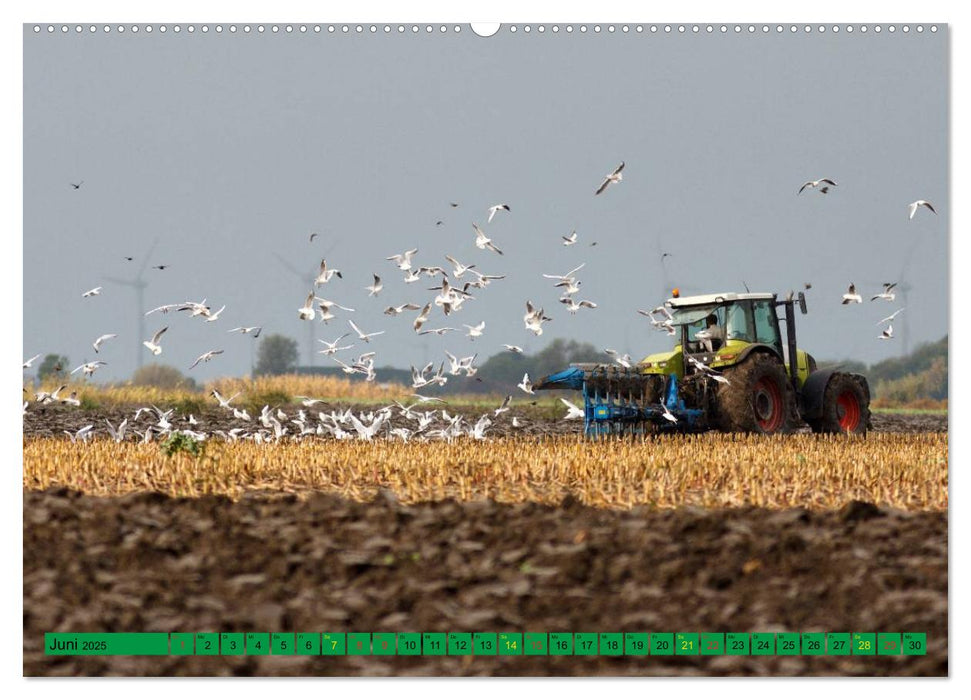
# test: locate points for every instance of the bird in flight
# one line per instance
(403, 261)
(102, 338)
(129, 258)
(526, 385)
(395, 310)
(205, 357)
(475, 331)
(889, 318)
(571, 239)
(914, 206)
(574, 306)
(89, 367)
(29, 363)
(887, 333)
(813, 184)
(460, 269)
(77, 185)
(373, 289)
(493, 209)
(332, 347)
(366, 337)
(851, 297)
(887, 292)
(255, 330)
(513, 348)
(160, 267)
(482, 242)
(306, 311)
(313, 236)
(573, 411)
(611, 179)
(153, 344)
(323, 277)
(92, 292)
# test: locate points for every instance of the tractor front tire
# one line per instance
(758, 397)
(846, 407)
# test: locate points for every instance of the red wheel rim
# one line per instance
(848, 411)
(767, 400)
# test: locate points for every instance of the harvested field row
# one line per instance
(709, 470)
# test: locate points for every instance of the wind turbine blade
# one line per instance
(148, 256)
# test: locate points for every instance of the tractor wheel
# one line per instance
(846, 407)
(758, 397)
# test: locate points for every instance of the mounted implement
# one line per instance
(732, 370)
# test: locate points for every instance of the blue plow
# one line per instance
(622, 401)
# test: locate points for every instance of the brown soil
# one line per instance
(268, 563)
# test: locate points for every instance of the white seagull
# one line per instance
(813, 184)
(475, 331)
(504, 407)
(366, 337)
(403, 261)
(102, 338)
(153, 344)
(223, 402)
(214, 315)
(887, 333)
(914, 206)
(513, 348)
(851, 296)
(534, 319)
(889, 318)
(571, 239)
(437, 331)
(89, 367)
(92, 292)
(29, 363)
(573, 411)
(255, 330)
(205, 357)
(306, 311)
(376, 287)
(493, 209)
(323, 277)
(460, 269)
(332, 347)
(887, 292)
(422, 317)
(395, 310)
(482, 242)
(575, 306)
(611, 179)
(526, 385)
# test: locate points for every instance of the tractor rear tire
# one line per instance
(758, 397)
(846, 407)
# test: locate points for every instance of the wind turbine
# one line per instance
(138, 283)
(307, 281)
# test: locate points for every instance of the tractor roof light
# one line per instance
(675, 292)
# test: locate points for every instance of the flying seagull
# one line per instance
(313, 236)
(205, 357)
(611, 179)
(422, 317)
(513, 348)
(77, 185)
(889, 318)
(395, 310)
(332, 347)
(92, 292)
(376, 287)
(403, 261)
(366, 337)
(102, 338)
(813, 184)
(887, 333)
(482, 242)
(460, 269)
(851, 296)
(153, 344)
(29, 363)
(887, 292)
(505, 405)
(571, 239)
(325, 274)
(160, 267)
(914, 206)
(526, 385)
(306, 311)
(574, 306)
(89, 367)
(255, 330)
(574, 412)
(494, 209)
(474, 331)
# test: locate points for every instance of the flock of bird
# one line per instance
(452, 293)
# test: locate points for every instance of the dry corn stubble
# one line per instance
(907, 471)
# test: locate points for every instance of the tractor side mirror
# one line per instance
(802, 302)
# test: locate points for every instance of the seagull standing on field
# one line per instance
(366, 337)
(851, 297)
(92, 292)
(494, 209)
(482, 242)
(153, 344)
(887, 292)
(914, 206)
(306, 311)
(376, 287)
(611, 179)
(102, 338)
(205, 357)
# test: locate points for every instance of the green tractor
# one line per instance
(732, 370)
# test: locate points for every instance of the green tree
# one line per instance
(53, 365)
(162, 377)
(277, 355)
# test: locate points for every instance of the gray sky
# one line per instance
(230, 148)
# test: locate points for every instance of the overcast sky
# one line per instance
(231, 149)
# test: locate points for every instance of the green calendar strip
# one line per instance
(630, 644)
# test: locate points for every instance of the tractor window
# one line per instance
(696, 344)
(738, 325)
(766, 328)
